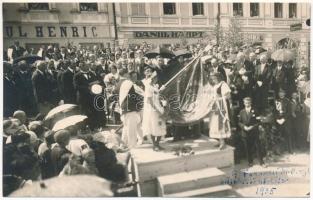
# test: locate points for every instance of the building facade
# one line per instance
(126, 24)
(35, 24)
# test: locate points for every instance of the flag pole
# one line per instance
(182, 70)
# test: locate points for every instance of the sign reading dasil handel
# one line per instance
(168, 34)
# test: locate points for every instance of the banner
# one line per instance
(189, 94)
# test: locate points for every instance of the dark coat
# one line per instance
(82, 86)
(24, 86)
(69, 92)
(17, 51)
(52, 86)
(279, 79)
(40, 85)
(10, 98)
(58, 56)
(261, 92)
(247, 119)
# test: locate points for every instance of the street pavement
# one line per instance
(288, 176)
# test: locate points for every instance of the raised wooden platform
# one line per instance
(148, 165)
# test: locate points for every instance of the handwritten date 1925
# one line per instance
(265, 191)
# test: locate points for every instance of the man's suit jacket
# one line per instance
(82, 85)
(24, 86)
(10, 101)
(279, 78)
(238, 81)
(41, 91)
(67, 85)
(52, 86)
(58, 56)
(247, 119)
(17, 51)
(263, 76)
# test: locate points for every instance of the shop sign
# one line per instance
(54, 31)
(168, 34)
(295, 27)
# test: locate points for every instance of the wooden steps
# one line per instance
(196, 183)
(164, 171)
(215, 191)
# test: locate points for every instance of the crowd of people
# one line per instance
(267, 103)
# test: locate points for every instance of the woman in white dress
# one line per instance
(219, 117)
(153, 123)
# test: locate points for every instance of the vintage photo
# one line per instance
(156, 99)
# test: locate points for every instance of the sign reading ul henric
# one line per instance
(168, 34)
(54, 31)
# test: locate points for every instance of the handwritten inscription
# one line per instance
(273, 177)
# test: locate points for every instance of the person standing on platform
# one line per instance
(130, 116)
(249, 131)
(153, 120)
(219, 117)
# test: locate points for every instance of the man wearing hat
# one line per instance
(249, 131)
(282, 117)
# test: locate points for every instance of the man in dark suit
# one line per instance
(23, 80)
(10, 103)
(262, 77)
(69, 92)
(249, 131)
(279, 78)
(243, 77)
(83, 81)
(17, 50)
(52, 84)
(40, 86)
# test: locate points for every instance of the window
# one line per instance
(197, 9)
(169, 8)
(278, 8)
(88, 7)
(237, 9)
(254, 10)
(292, 10)
(38, 6)
(138, 9)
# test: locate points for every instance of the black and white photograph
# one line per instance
(181, 99)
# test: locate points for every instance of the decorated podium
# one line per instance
(188, 168)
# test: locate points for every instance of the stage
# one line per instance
(162, 173)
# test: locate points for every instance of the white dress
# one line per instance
(219, 117)
(152, 123)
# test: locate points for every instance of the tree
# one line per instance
(234, 37)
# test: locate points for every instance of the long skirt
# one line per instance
(219, 128)
(131, 128)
